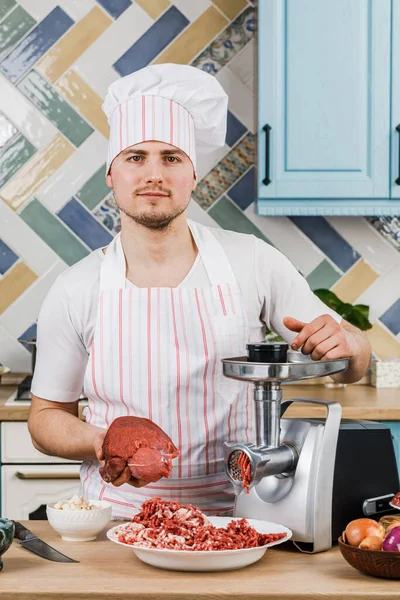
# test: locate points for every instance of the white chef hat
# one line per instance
(177, 104)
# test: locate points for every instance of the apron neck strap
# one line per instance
(216, 263)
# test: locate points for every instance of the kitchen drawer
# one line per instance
(17, 447)
(28, 488)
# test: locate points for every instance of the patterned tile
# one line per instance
(115, 7)
(323, 276)
(22, 314)
(14, 27)
(188, 45)
(191, 10)
(389, 227)
(328, 240)
(35, 172)
(30, 248)
(5, 7)
(234, 129)
(13, 156)
(154, 8)
(13, 353)
(29, 335)
(95, 189)
(82, 223)
(35, 44)
(364, 238)
(383, 342)
(53, 232)
(84, 99)
(62, 185)
(241, 100)
(14, 283)
(7, 257)
(355, 281)
(223, 176)
(226, 45)
(243, 192)
(78, 39)
(230, 8)
(7, 131)
(241, 65)
(287, 238)
(391, 318)
(383, 293)
(56, 109)
(114, 42)
(24, 115)
(108, 214)
(156, 38)
(229, 216)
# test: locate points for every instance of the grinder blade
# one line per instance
(240, 468)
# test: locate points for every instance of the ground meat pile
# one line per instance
(170, 525)
(244, 464)
(396, 499)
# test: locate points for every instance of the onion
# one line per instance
(359, 529)
(392, 525)
(391, 543)
(372, 542)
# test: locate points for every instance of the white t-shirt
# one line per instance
(272, 289)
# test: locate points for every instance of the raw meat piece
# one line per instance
(140, 444)
(170, 525)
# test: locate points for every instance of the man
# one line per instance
(142, 325)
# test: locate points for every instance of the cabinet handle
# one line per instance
(20, 475)
(267, 129)
(398, 158)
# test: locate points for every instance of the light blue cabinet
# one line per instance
(327, 138)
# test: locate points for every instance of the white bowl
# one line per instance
(210, 560)
(79, 525)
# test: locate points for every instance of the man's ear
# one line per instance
(109, 179)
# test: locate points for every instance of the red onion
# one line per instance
(391, 542)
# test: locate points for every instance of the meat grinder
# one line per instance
(286, 475)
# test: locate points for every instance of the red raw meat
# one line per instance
(141, 445)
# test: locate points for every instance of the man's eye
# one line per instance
(136, 158)
(172, 159)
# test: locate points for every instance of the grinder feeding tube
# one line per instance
(286, 476)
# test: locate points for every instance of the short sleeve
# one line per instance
(61, 357)
(284, 292)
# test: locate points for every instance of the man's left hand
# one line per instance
(322, 339)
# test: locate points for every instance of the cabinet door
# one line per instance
(27, 488)
(395, 124)
(324, 89)
(17, 447)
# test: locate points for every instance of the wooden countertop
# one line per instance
(107, 571)
(358, 402)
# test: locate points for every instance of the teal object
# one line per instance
(328, 90)
(7, 530)
(394, 427)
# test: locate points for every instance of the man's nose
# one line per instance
(153, 174)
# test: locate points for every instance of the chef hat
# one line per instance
(177, 104)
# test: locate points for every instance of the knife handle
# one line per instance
(22, 533)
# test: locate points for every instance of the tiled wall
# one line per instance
(57, 58)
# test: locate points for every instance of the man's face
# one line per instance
(152, 183)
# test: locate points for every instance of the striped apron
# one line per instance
(156, 353)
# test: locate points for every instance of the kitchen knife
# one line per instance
(32, 543)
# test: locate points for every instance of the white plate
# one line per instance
(394, 506)
(207, 560)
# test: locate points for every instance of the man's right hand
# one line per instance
(126, 475)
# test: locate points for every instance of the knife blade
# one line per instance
(31, 542)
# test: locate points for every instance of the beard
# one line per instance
(154, 219)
